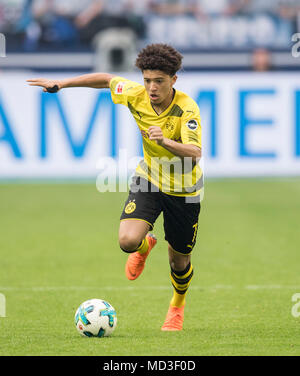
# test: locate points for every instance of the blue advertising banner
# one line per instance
(250, 126)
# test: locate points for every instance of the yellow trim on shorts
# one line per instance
(181, 253)
(138, 219)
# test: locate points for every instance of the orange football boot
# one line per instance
(136, 261)
(174, 319)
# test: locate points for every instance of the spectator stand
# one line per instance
(101, 34)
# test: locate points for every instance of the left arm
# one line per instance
(176, 148)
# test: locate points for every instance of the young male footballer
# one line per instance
(169, 178)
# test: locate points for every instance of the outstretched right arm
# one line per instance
(93, 80)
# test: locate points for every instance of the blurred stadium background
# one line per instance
(220, 34)
(241, 65)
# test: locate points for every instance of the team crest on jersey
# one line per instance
(120, 87)
(192, 124)
(130, 207)
(170, 126)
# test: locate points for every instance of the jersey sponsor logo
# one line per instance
(119, 87)
(192, 124)
(130, 207)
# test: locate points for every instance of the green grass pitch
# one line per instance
(59, 247)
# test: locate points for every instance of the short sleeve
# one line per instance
(191, 127)
(122, 89)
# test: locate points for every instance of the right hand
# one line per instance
(46, 84)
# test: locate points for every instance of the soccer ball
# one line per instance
(95, 318)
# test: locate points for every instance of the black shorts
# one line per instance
(146, 202)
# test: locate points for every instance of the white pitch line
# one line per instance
(137, 288)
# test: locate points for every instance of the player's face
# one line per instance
(159, 86)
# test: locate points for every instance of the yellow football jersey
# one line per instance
(179, 122)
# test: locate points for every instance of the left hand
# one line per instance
(156, 134)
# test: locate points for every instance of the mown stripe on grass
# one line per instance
(140, 288)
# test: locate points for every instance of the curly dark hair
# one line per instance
(159, 57)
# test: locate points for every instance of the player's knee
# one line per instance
(128, 243)
(179, 266)
(178, 261)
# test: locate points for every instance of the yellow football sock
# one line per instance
(143, 247)
(181, 281)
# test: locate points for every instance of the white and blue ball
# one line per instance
(95, 318)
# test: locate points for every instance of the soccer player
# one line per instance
(169, 179)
